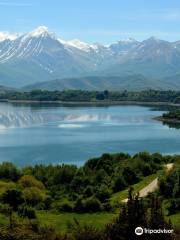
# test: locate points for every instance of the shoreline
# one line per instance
(167, 120)
(94, 102)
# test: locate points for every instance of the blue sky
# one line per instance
(94, 20)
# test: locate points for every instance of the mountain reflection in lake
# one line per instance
(57, 134)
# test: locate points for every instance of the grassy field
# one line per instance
(3, 220)
(61, 222)
(175, 219)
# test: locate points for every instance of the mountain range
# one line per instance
(40, 59)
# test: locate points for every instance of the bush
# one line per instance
(4, 186)
(92, 205)
(33, 195)
(30, 181)
(173, 206)
(79, 205)
(119, 183)
(88, 192)
(107, 207)
(40, 206)
(103, 193)
(65, 206)
(26, 212)
(47, 202)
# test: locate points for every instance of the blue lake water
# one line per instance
(55, 134)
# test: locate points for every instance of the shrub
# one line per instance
(88, 192)
(30, 181)
(33, 195)
(103, 193)
(107, 207)
(47, 202)
(4, 186)
(119, 183)
(79, 205)
(65, 207)
(26, 212)
(92, 205)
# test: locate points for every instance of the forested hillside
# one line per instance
(32, 194)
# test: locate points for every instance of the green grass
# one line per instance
(119, 196)
(3, 220)
(61, 221)
(175, 220)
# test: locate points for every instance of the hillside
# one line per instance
(59, 198)
(4, 89)
(126, 82)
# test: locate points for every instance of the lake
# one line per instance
(33, 134)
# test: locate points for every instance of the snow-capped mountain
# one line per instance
(36, 56)
(7, 36)
(123, 46)
(41, 55)
(76, 43)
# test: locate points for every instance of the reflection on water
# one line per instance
(14, 118)
(172, 125)
(56, 134)
(66, 125)
(19, 119)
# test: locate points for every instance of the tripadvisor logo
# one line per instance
(139, 231)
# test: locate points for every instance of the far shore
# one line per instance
(95, 102)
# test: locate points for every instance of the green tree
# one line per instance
(13, 197)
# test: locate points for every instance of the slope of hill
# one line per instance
(126, 82)
(4, 89)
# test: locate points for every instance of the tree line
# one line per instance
(93, 96)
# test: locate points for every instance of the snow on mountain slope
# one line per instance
(26, 45)
(40, 31)
(7, 36)
(80, 45)
(123, 46)
(40, 55)
(42, 49)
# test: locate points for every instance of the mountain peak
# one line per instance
(40, 31)
(153, 39)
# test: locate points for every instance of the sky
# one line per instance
(103, 21)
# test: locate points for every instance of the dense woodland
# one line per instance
(93, 96)
(173, 114)
(67, 188)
